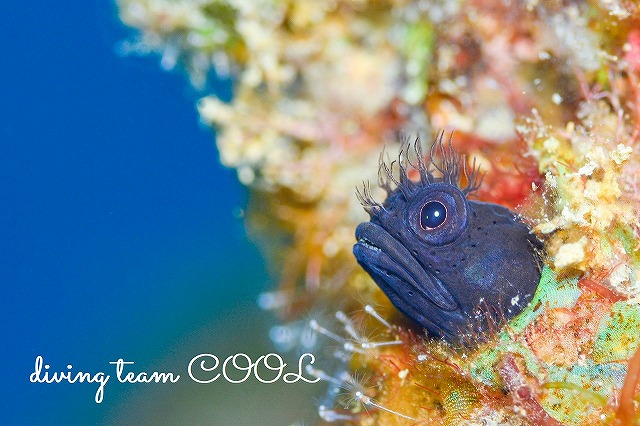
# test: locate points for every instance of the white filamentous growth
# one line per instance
(357, 390)
(371, 311)
(359, 343)
(320, 329)
(343, 382)
(347, 345)
(368, 401)
(333, 416)
(350, 329)
(350, 347)
(316, 372)
(348, 325)
(373, 345)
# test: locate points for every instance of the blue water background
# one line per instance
(119, 235)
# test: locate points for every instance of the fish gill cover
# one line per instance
(543, 95)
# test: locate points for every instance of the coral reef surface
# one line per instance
(545, 95)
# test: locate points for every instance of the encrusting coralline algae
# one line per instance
(545, 95)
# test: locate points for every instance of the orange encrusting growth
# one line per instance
(627, 407)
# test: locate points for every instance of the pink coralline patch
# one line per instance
(524, 394)
(509, 176)
(626, 408)
(588, 284)
(561, 335)
(632, 55)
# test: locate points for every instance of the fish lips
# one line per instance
(399, 274)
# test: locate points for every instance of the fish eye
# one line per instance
(437, 214)
(432, 215)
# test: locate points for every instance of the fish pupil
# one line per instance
(432, 215)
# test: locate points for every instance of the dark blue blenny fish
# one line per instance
(455, 266)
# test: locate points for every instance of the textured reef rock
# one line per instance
(544, 94)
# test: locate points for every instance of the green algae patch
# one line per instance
(481, 366)
(619, 334)
(573, 396)
(551, 293)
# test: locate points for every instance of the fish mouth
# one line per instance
(410, 287)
